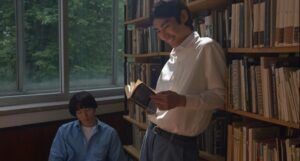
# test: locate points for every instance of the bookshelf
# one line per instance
(140, 125)
(135, 152)
(238, 49)
(140, 20)
(201, 5)
(278, 50)
(263, 60)
(209, 157)
(132, 151)
(204, 155)
(265, 119)
(145, 57)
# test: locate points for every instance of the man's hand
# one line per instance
(167, 100)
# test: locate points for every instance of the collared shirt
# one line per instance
(196, 69)
(70, 144)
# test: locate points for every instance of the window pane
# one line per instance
(41, 41)
(90, 43)
(7, 47)
(120, 58)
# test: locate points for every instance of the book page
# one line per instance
(140, 93)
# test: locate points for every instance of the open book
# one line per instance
(140, 93)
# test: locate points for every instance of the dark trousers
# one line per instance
(159, 145)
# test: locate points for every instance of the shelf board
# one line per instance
(131, 150)
(134, 152)
(138, 124)
(147, 55)
(139, 20)
(291, 49)
(210, 157)
(164, 53)
(201, 5)
(262, 118)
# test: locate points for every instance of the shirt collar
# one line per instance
(187, 41)
(98, 124)
(176, 53)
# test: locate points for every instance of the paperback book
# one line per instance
(140, 93)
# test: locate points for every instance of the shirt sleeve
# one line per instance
(116, 152)
(214, 65)
(58, 150)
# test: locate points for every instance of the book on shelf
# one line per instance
(296, 30)
(257, 142)
(262, 23)
(267, 86)
(140, 93)
(211, 24)
(249, 141)
(213, 139)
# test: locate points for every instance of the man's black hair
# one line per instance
(167, 9)
(81, 100)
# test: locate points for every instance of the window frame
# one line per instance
(64, 90)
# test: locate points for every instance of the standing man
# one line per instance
(190, 87)
(86, 139)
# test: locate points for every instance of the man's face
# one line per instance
(86, 116)
(169, 30)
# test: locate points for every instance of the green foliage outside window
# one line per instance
(7, 44)
(90, 42)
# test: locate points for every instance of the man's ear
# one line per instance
(184, 16)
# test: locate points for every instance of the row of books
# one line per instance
(246, 23)
(252, 23)
(268, 86)
(143, 40)
(246, 142)
(136, 112)
(263, 23)
(211, 24)
(137, 8)
(213, 139)
(146, 72)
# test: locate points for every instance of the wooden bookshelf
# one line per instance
(131, 150)
(201, 5)
(273, 50)
(138, 124)
(197, 6)
(136, 21)
(156, 58)
(147, 55)
(164, 53)
(265, 119)
(210, 157)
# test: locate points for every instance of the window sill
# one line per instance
(52, 111)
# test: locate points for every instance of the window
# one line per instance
(8, 50)
(40, 42)
(49, 49)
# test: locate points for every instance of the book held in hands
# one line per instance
(140, 93)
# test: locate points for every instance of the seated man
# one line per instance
(87, 138)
